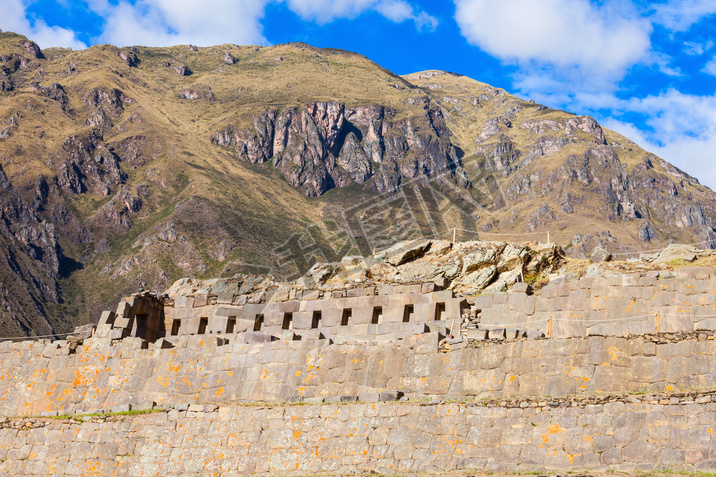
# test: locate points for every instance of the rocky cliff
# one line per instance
(322, 145)
(127, 168)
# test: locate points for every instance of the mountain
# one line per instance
(127, 168)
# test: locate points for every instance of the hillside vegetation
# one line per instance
(125, 168)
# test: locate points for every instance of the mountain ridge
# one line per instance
(150, 164)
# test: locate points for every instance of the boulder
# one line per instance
(480, 259)
(676, 251)
(522, 287)
(504, 281)
(406, 251)
(480, 279)
(600, 254)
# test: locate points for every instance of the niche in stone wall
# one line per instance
(439, 311)
(287, 321)
(316, 320)
(175, 327)
(347, 315)
(408, 313)
(258, 322)
(203, 322)
(230, 324)
(377, 315)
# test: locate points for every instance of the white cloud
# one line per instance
(681, 129)
(325, 11)
(399, 11)
(602, 40)
(14, 19)
(697, 49)
(680, 15)
(710, 67)
(171, 22)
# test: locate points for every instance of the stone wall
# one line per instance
(641, 434)
(623, 304)
(623, 379)
(347, 312)
(104, 374)
(684, 300)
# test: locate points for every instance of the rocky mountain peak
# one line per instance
(127, 168)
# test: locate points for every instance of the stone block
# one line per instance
(257, 337)
(308, 295)
(387, 396)
(203, 408)
(517, 302)
(425, 312)
(368, 397)
(610, 378)
(385, 289)
(483, 302)
(522, 287)
(302, 320)
(496, 334)
(578, 300)
(428, 288)
(162, 343)
(530, 305)
(476, 334)
(425, 343)
(200, 300)
(612, 457)
(107, 318)
(394, 312)
(640, 451)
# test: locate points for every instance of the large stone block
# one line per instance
(578, 300)
(200, 300)
(483, 301)
(397, 310)
(107, 318)
(425, 312)
(302, 320)
(517, 301)
(364, 315)
(567, 324)
(610, 378)
(184, 302)
(640, 451)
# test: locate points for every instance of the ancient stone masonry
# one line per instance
(615, 371)
(140, 315)
(641, 434)
(679, 301)
(383, 312)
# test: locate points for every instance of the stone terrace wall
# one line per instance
(383, 437)
(639, 303)
(108, 375)
(343, 312)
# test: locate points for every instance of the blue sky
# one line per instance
(645, 69)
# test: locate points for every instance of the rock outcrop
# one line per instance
(323, 145)
(30, 264)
